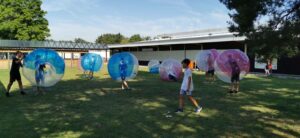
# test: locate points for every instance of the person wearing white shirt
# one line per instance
(187, 88)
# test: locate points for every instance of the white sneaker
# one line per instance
(198, 110)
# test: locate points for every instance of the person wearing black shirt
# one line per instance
(235, 75)
(15, 73)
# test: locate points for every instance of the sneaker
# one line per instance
(179, 110)
(23, 93)
(7, 94)
(230, 91)
(198, 110)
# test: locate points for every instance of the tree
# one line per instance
(135, 38)
(147, 38)
(23, 20)
(125, 40)
(272, 27)
(110, 39)
(80, 40)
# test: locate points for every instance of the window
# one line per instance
(3, 55)
(76, 55)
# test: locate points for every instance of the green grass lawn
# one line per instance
(75, 107)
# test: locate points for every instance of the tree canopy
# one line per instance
(110, 39)
(272, 27)
(23, 20)
(120, 39)
(80, 40)
(135, 38)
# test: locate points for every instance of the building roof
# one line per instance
(204, 32)
(58, 45)
(194, 37)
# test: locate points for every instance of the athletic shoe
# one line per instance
(7, 94)
(179, 110)
(230, 91)
(23, 93)
(198, 110)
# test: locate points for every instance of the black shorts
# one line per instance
(235, 77)
(171, 77)
(123, 77)
(14, 77)
(212, 72)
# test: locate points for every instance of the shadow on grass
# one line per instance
(99, 108)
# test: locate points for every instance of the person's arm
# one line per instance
(189, 80)
(189, 83)
(17, 60)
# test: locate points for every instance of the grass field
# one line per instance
(75, 107)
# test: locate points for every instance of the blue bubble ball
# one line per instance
(43, 67)
(153, 66)
(123, 66)
(91, 62)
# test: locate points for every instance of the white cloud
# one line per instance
(88, 25)
(67, 30)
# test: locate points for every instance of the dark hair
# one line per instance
(186, 61)
(18, 52)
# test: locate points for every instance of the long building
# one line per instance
(69, 51)
(188, 44)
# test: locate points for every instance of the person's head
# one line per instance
(209, 55)
(19, 54)
(185, 63)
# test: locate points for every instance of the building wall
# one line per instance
(162, 55)
(71, 58)
(5, 61)
(145, 54)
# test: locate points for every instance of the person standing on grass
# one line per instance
(15, 73)
(92, 66)
(187, 88)
(235, 75)
(267, 71)
(210, 74)
(270, 67)
(123, 72)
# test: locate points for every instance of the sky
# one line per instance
(87, 19)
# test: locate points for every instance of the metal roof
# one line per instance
(196, 39)
(59, 45)
(195, 33)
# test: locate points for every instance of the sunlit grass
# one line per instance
(76, 107)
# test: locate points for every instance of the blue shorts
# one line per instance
(184, 92)
(123, 75)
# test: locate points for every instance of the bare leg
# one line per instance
(206, 77)
(20, 85)
(125, 84)
(232, 86)
(237, 86)
(9, 86)
(194, 101)
(181, 102)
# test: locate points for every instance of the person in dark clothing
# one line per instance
(235, 75)
(123, 72)
(15, 73)
(40, 76)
